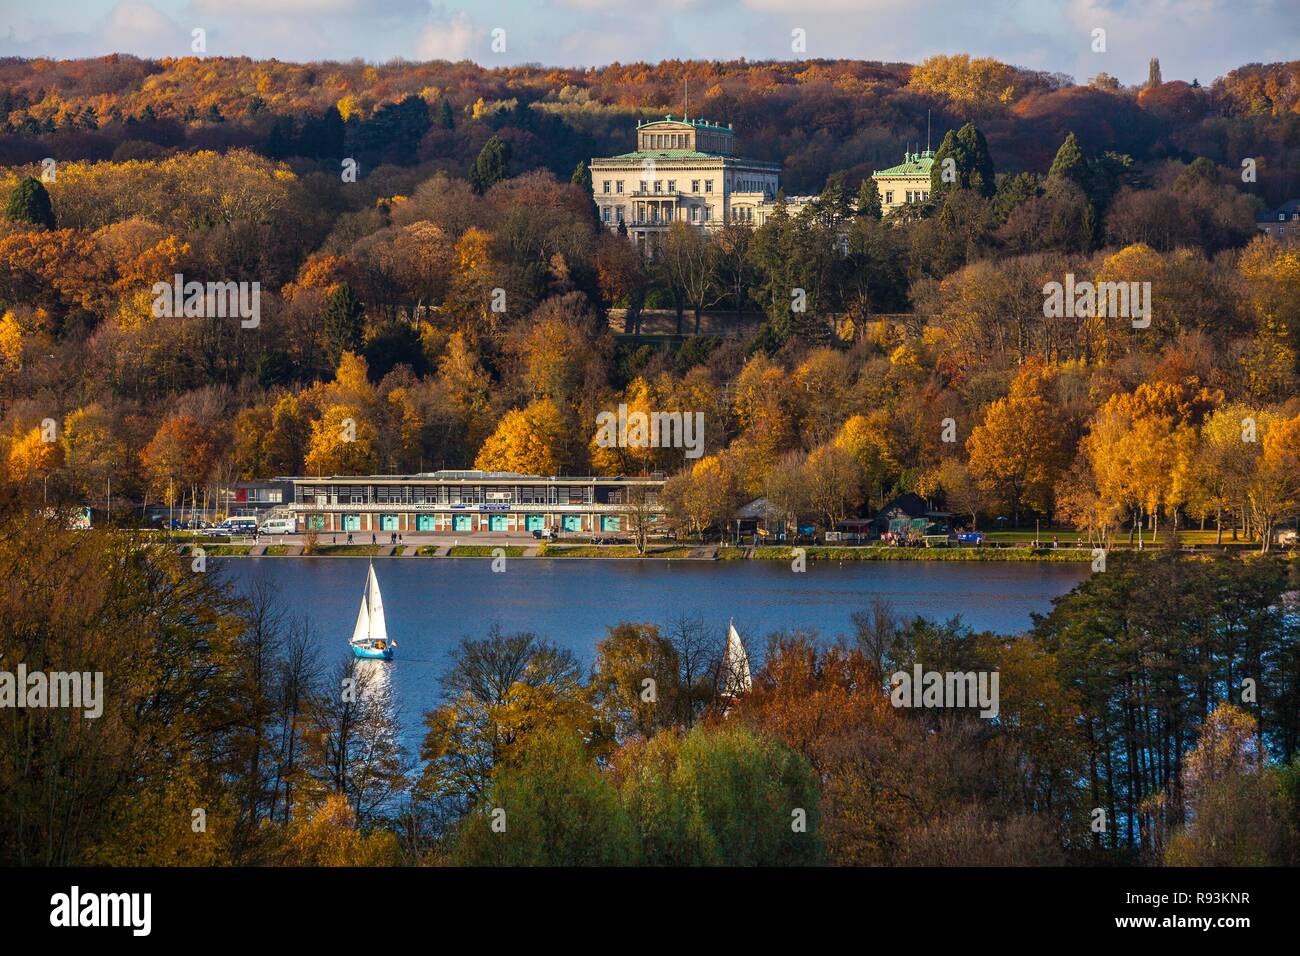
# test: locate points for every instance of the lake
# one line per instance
(430, 604)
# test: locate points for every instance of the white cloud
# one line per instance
(127, 27)
(1192, 38)
(447, 38)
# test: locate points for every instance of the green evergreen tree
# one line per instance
(1012, 192)
(972, 163)
(1070, 163)
(980, 174)
(581, 177)
(29, 202)
(330, 134)
(344, 323)
(949, 148)
(868, 199)
(492, 164)
(446, 118)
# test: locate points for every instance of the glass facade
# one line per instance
(470, 503)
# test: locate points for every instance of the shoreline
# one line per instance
(708, 553)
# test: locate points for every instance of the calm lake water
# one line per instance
(431, 604)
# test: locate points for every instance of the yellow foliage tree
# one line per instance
(1019, 450)
(11, 345)
(342, 442)
(331, 838)
(979, 83)
(31, 457)
(866, 438)
(532, 441)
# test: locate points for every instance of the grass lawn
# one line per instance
(1185, 537)
(225, 550)
(362, 550)
(483, 551)
(276, 550)
(1027, 537)
(611, 551)
(883, 553)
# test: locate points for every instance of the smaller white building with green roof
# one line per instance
(908, 182)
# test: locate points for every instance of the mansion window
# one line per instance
(672, 186)
(618, 187)
(695, 185)
(889, 197)
(605, 186)
(604, 214)
(708, 185)
(659, 185)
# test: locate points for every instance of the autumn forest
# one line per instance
(432, 267)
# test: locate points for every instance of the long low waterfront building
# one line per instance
(472, 502)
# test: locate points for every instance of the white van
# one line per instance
(278, 526)
(236, 526)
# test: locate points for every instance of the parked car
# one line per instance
(278, 526)
(233, 526)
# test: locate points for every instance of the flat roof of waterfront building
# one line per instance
(475, 476)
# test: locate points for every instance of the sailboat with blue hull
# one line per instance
(370, 636)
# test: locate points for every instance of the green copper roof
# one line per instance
(916, 164)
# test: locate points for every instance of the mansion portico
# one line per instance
(684, 170)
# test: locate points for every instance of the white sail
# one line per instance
(735, 665)
(361, 632)
(378, 628)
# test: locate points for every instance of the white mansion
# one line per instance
(684, 170)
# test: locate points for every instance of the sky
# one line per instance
(1194, 39)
